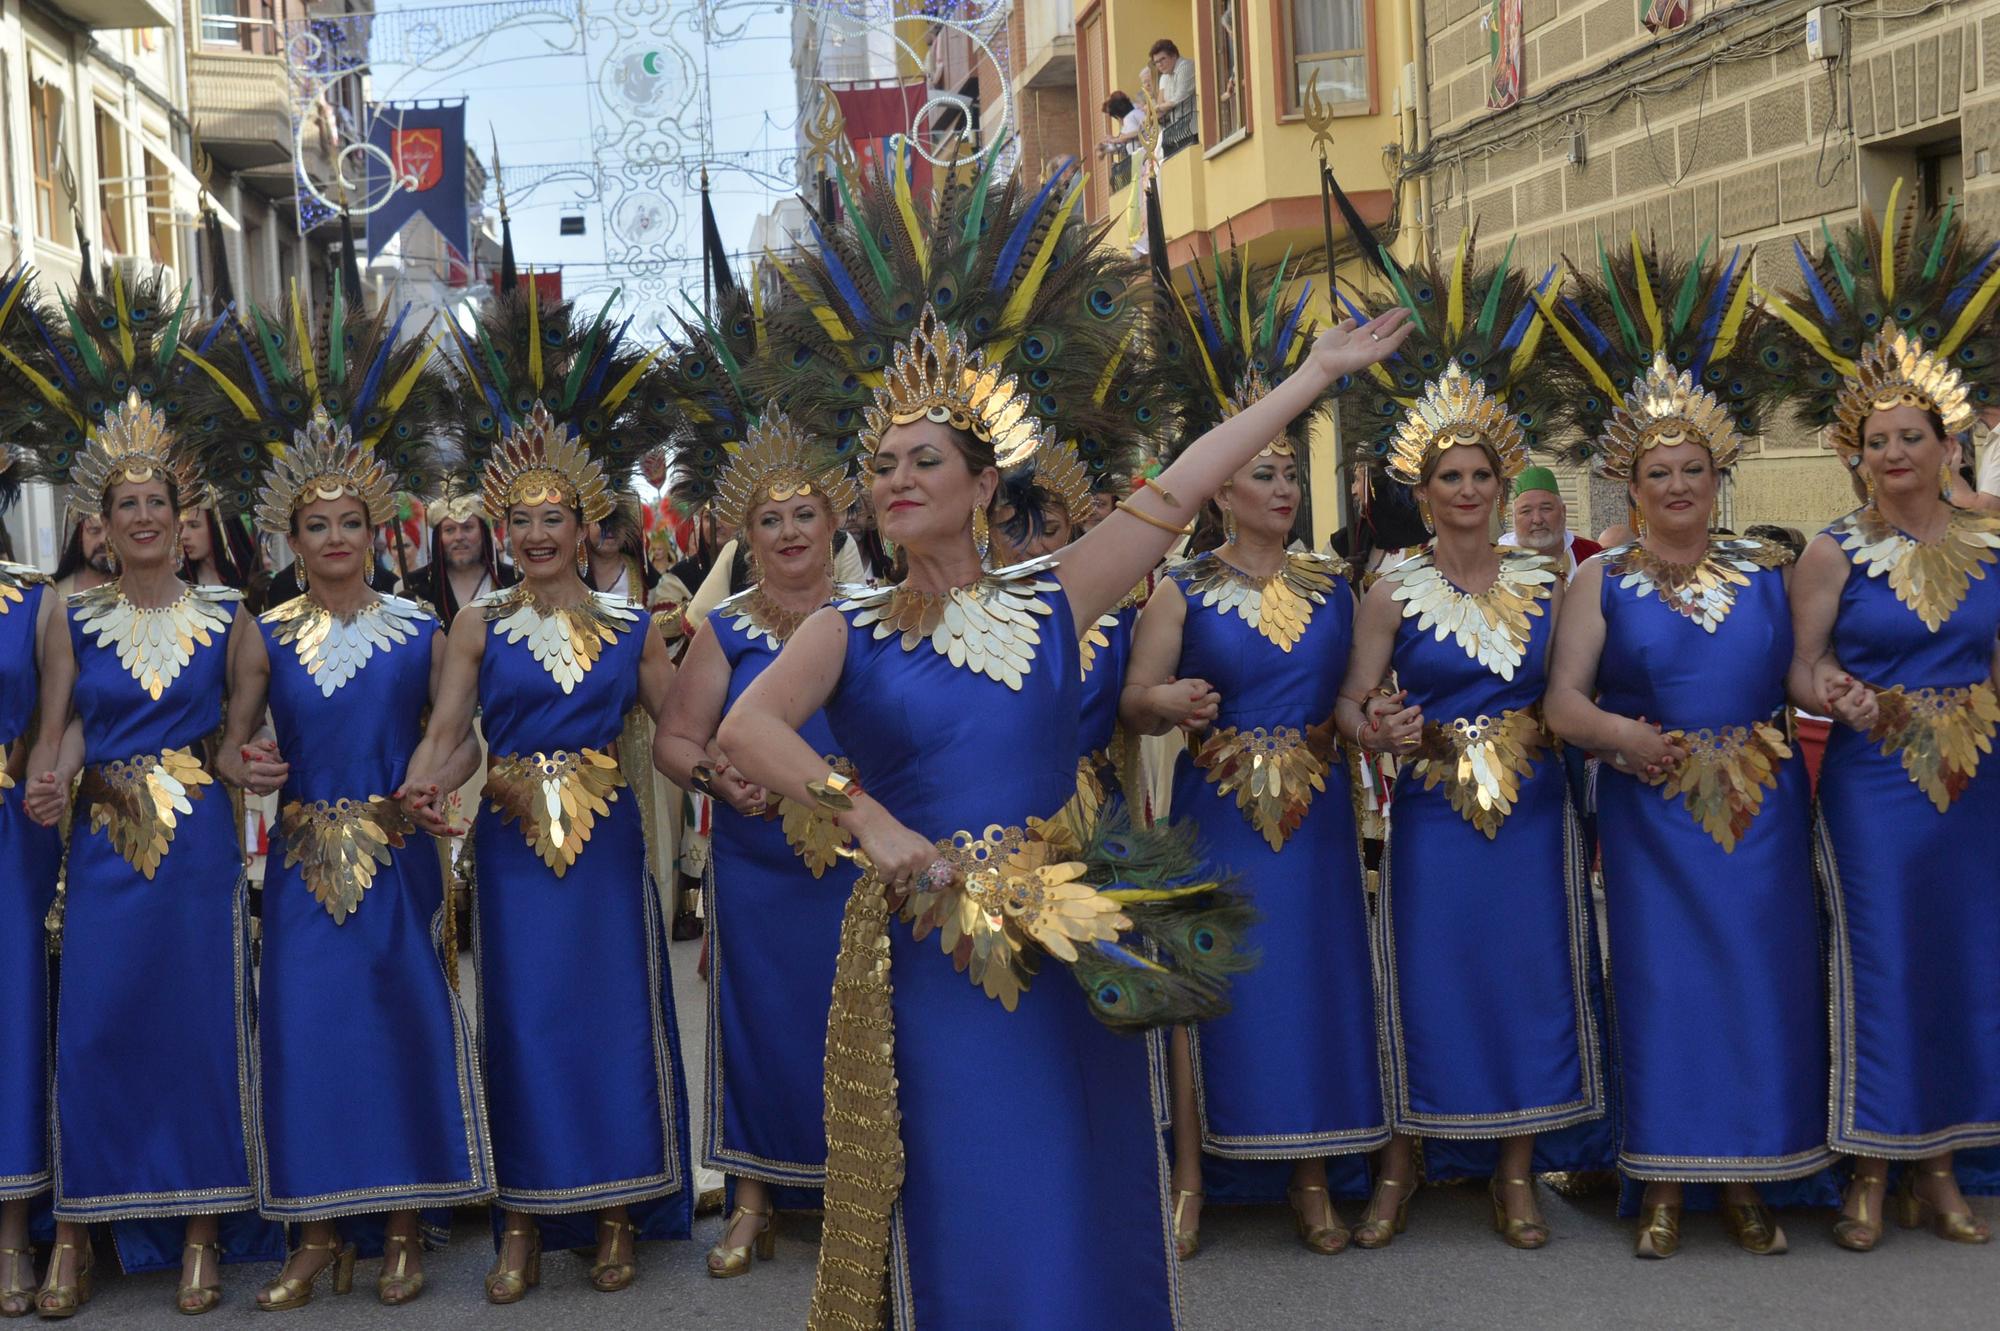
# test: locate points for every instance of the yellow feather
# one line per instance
(907, 207)
(1888, 262)
(125, 347)
(1808, 330)
(1024, 294)
(828, 320)
(534, 333)
(1111, 368)
(1194, 331)
(630, 381)
(1382, 375)
(1969, 317)
(305, 348)
(1243, 311)
(42, 385)
(1650, 306)
(1732, 320)
(1575, 347)
(222, 381)
(1454, 315)
(1524, 354)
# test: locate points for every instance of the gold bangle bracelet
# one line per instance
(831, 792)
(1162, 491)
(1151, 521)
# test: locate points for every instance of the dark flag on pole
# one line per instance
(1156, 241)
(510, 272)
(714, 257)
(222, 292)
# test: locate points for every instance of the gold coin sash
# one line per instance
(1930, 577)
(1492, 627)
(340, 844)
(139, 802)
(1940, 733)
(1722, 780)
(1273, 774)
(990, 628)
(334, 648)
(556, 797)
(1279, 607)
(155, 645)
(1704, 591)
(564, 640)
(1482, 763)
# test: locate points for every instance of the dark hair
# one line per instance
(1776, 535)
(234, 552)
(441, 588)
(1118, 104)
(1164, 46)
(1030, 501)
(72, 561)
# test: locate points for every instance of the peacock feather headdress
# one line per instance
(553, 409)
(1896, 312)
(1665, 348)
(282, 416)
(986, 304)
(1470, 372)
(95, 391)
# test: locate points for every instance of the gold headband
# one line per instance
(1896, 371)
(1664, 409)
(540, 463)
(1455, 410)
(934, 376)
(774, 464)
(323, 462)
(133, 443)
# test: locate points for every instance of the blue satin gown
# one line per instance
(30, 857)
(1717, 980)
(577, 1033)
(1485, 940)
(1913, 890)
(1035, 1187)
(1292, 1071)
(154, 1054)
(370, 1101)
(1107, 654)
(773, 935)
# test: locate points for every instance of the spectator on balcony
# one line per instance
(1169, 73)
(1131, 125)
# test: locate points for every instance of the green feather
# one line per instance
(885, 281)
(1490, 311)
(1633, 343)
(501, 383)
(1936, 255)
(1684, 302)
(1222, 302)
(274, 348)
(170, 340)
(336, 338)
(573, 382)
(86, 347)
(975, 213)
(1840, 272)
(1270, 328)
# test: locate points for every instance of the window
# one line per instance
(159, 211)
(1328, 38)
(113, 190)
(1228, 77)
(218, 23)
(53, 218)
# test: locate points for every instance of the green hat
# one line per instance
(1536, 478)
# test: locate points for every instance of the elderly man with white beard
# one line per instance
(1541, 521)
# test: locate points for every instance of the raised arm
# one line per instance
(1628, 743)
(1153, 700)
(1104, 564)
(1816, 681)
(242, 760)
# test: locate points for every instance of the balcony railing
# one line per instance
(1121, 171)
(1180, 127)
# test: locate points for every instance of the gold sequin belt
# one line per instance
(1939, 732)
(340, 844)
(1273, 773)
(140, 801)
(1722, 780)
(1481, 763)
(556, 797)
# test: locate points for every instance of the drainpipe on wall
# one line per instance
(1420, 45)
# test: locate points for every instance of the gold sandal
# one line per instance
(1858, 1233)
(1755, 1230)
(397, 1287)
(1374, 1233)
(194, 1297)
(1187, 1242)
(288, 1292)
(59, 1301)
(1325, 1239)
(1660, 1236)
(1957, 1226)
(506, 1284)
(725, 1263)
(16, 1299)
(1526, 1235)
(606, 1275)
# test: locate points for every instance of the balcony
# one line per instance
(103, 14)
(1048, 46)
(240, 103)
(1180, 127)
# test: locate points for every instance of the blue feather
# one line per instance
(1814, 286)
(593, 382)
(843, 283)
(373, 380)
(1010, 253)
(1973, 277)
(257, 379)
(1284, 343)
(1718, 306)
(1354, 312)
(1209, 335)
(1125, 955)
(1519, 328)
(62, 361)
(1598, 341)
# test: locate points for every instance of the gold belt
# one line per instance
(556, 797)
(809, 829)
(140, 801)
(341, 843)
(1725, 774)
(1273, 774)
(1940, 733)
(1481, 763)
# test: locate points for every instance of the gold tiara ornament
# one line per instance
(133, 443)
(458, 506)
(775, 464)
(1662, 410)
(933, 376)
(541, 463)
(1896, 371)
(323, 462)
(1059, 470)
(1455, 411)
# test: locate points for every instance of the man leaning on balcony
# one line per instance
(1169, 73)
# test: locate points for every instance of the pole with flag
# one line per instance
(510, 276)
(715, 259)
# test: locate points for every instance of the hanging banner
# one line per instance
(874, 114)
(418, 171)
(1503, 50)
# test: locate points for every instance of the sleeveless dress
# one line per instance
(153, 1091)
(1907, 820)
(1109, 756)
(1484, 913)
(1035, 1184)
(30, 858)
(577, 1035)
(369, 1099)
(1717, 985)
(773, 933)
(1292, 1071)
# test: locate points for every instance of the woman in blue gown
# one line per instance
(357, 1022)
(1670, 663)
(956, 695)
(30, 856)
(1897, 613)
(775, 888)
(577, 1038)
(1483, 916)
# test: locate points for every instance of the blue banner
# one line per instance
(419, 168)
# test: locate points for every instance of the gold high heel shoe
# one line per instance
(397, 1287)
(1526, 1235)
(1376, 1233)
(607, 1275)
(56, 1302)
(1660, 1236)
(725, 1263)
(1326, 1240)
(1858, 1233)
(1187, 1242)
(1755, 1230)
(1957, 1226)
(288, 1292)
(506, 1284)
(196, 1296)
(16, 1299)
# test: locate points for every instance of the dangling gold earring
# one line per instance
(368, 567)
(1868, 483)
(180, 559)
(1228, 527)
(583, 561)
(1944, 479)
(1638, 521)
(301, 566)
(982, 535)
(111, 558)
(1424, 512)
(756, 566)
